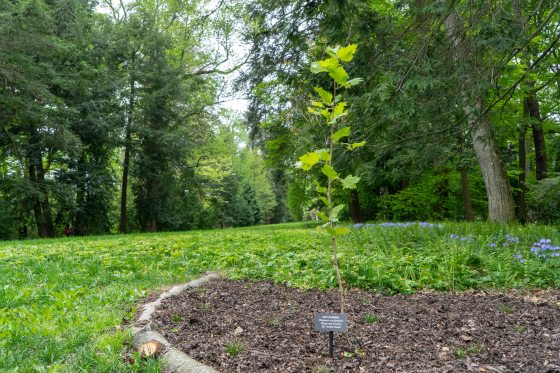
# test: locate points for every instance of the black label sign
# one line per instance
(331, 322)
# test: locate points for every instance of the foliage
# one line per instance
(544, 200)
(332, 110)
(433, 197)
(63, 301)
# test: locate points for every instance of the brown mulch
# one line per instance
(424, 332)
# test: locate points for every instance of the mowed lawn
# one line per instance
(65, 303)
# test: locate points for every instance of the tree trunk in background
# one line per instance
(354, 206)
(498, 189)
(467, 202)
(41, 205)
(127, 148)
(532, 109)
(521, 200)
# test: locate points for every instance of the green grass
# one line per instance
(64, 303)
(233, 349)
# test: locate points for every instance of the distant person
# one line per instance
(23, 232)
(68, 230)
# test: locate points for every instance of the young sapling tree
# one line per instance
(332, 110)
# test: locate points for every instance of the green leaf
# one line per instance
(324, 154)
(326, 97)
(343, 132)
(339, 109)
(329, 171)
(329, 64)
(332, 51)
(317, 104)
(335, 211)
(355, 81)
(331, 231)
(341, 231)
(339, 75)
(327, 114)
(321, 189)
(309, 160)
(316, 68)
(346, 54)
(322, 216)
(349, 182)
(356, 145)
(325, 200)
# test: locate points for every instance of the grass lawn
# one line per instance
(64, 303)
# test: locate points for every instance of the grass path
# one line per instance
(63, 302)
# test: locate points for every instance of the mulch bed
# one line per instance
(424, 332)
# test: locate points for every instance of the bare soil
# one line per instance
(243, 326)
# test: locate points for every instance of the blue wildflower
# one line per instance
(492, 244)
(358, 225)
(520, 258)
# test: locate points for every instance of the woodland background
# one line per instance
(112, 116)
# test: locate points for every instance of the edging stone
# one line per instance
(172, 359)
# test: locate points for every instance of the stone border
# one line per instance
(172, 359)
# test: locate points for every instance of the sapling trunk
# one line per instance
(333, 111)
(331, 222)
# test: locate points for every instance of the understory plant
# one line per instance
(331, 111)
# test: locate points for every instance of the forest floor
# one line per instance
(244, 326)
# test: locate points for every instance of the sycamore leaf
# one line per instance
(329, 171)
(326, 97)
(325, 201)
(339, 109)
(324, 154)
(331, 231)
(322, 216)
(341, 231)
(332, 51)
(356, 145)
(327, 114)
(317, 104)
(350, 182)
(309, 160)
(329, 63)
(316, 68)
(339, 75)
(355, 81)
(335, 211)
(343, 132)
(346, 54)
(321, 189)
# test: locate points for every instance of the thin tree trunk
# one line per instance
(37, 211)
(41, 205)
(354, 206)
(531, 107)
(521, 199)
(467, 202)
(531, 103)
(127, 148)
(498, 189)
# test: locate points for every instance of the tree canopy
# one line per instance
(111, 115)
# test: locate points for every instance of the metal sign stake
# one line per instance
(331, 344)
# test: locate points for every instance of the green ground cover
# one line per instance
(64, 302)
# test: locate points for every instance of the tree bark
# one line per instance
(521, 198)
(467, 202)
(127, 148)
(498, 189)
(354, 206)
(41, 205)
(532, 107)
